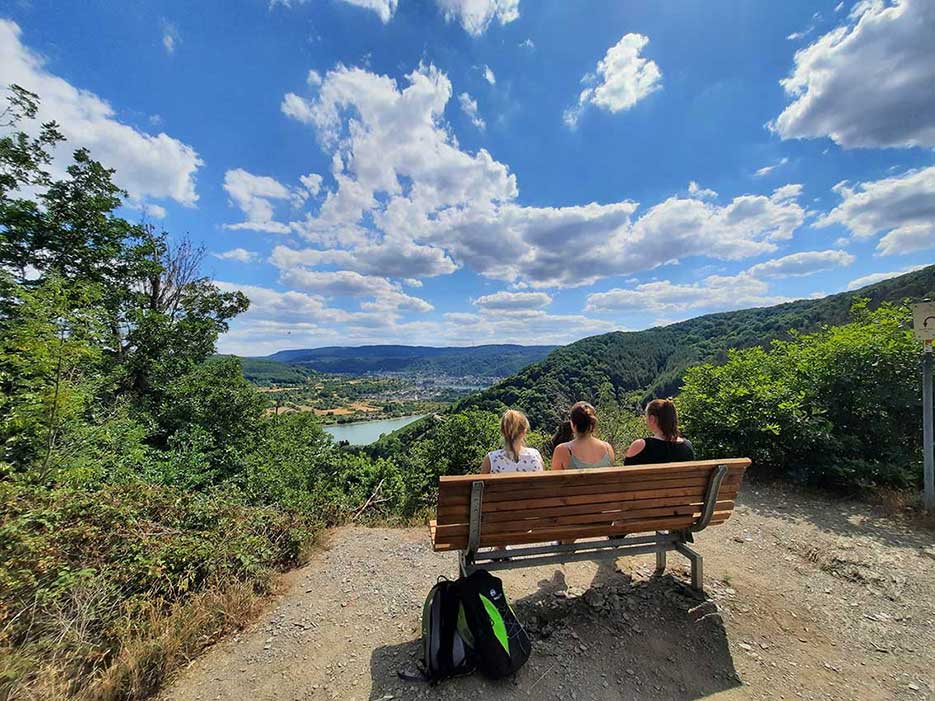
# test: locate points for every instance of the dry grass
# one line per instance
(151, 645)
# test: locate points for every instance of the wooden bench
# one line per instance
(624, 510)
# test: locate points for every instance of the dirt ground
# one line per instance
(805, 599)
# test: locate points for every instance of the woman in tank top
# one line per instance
(514, 456)
(584, 450)
(666, 444)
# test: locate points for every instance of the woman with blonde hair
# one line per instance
(515, 455)
(584, 450)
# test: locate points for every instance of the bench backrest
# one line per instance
(537, 507)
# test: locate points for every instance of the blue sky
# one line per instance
(453, 172)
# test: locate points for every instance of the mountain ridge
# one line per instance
(636, 365)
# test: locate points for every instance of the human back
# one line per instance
(585, 449)
(666, 444)
(515, 455)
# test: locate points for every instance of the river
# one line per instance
(364, 432)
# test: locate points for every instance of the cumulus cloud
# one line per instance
(147, 166)
(253, 195)
(469, 107)
(868, 83)
(802, 264)
(407, 195)
(880, 277)
(902, 206)
(241, 255)
(513, 301)
(748, 288)
(714, 293)
(622, 78)
(476, 15)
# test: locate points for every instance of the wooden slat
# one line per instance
(696, 465)
(447, 533)
(531, 492)
(574, 532)
(523, 508)
(446, 514)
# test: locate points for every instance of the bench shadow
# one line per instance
(623, 637)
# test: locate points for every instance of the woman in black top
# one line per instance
(665, 445)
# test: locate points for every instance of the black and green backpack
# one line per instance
(445, 653)
(487, 624)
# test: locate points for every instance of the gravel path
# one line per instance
(805, 599)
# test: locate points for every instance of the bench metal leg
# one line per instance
(697, 563)
(660, 556)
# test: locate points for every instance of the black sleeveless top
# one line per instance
(658, 450)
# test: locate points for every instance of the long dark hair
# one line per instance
(563, 434)
(663, 410)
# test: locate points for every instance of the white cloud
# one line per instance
(314, 78)
(902, 205)
(170, 37)
(765, 170)
(311, 183)
(695, 190)
(531, 326)
(147, 166)
(408, 202)
(346, 283)
(241, 255)
(802, 264)
(527, 44)
(253, 195)
(383, 8)
(622, 78)
(880, 277)
(513, 301)
(839, 7)
(868, 83)
(469, 107)
(476, 15)
(717, 292)
(714, 293)
(489, 76)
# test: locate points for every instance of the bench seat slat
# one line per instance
(576, 532)
(524, 508)
(446, 513)
(494, 494)
(458, 532)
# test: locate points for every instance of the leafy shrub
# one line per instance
(80, 568)
(839, 406)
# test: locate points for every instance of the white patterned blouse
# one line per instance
(529, 461)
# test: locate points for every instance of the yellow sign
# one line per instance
(923, 321)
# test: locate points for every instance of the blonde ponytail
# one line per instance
(513, 425)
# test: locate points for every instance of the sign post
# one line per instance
(923, 324)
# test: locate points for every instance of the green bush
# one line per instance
(100, 561)
(838, 407)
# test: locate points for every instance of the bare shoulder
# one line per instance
(609, 448)
(636, 447)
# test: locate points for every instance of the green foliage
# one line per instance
(92, 560)
(837, 407)
(265, 372)
(653, 362)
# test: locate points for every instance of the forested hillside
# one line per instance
(270, 372)
(636, 365)
(495, 360)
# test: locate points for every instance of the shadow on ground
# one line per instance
(645, 638)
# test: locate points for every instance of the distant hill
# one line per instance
(270, 372)
(652, 362)
(484, 361)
